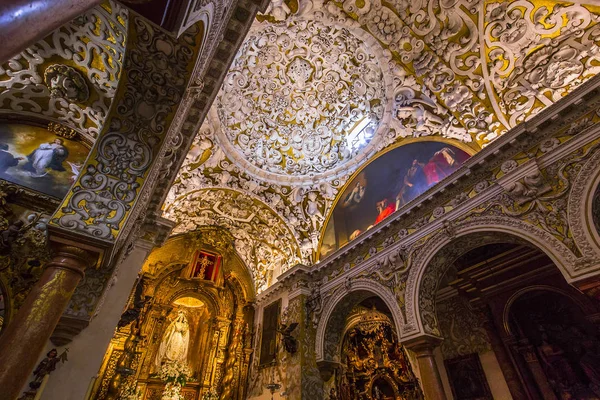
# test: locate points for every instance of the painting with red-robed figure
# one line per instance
(386, 185)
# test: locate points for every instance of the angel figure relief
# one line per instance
(175, 342)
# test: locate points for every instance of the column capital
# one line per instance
(327, 369)
(589, 286)
(80, 247)
(424, 344)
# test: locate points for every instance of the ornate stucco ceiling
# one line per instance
(72, 75)
(261, 237)
(301, 98)
(280, 134)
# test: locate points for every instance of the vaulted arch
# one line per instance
(262, 239)
(432, 261)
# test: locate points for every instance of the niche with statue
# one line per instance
(191, 323)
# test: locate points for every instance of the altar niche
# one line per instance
(374, 365)
(194, 318)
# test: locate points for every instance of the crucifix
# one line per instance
(203, 262)
(204, 265)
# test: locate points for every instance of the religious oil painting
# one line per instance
(386, 185)
(38, 159)
(467, 379)
(268, 345)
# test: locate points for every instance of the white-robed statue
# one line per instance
(174, 345)
(47, 156)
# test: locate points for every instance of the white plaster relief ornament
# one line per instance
(435, 82)
(296, 94)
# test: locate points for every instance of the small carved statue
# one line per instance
(133, 312)
(9, 235)
(46, 366)
(377, 393)
(313, 305)
(290, 343)
(332, 394)
(278, 9)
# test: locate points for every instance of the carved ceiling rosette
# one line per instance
(64, 81)
(302, 98)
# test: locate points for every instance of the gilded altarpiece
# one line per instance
(218, 324)
(374, 365)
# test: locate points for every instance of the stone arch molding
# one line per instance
(170, 288)
(432, 261)
(579, 214)
(338, 306)
(541, 288)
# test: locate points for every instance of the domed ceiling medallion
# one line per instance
(302, 98)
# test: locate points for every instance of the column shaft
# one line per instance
(528, 353)
(509, 371)
(431, 380)
(26, 335)
(430, 376)
(24, 22)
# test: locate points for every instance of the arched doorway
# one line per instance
(558, 341)
(373, 363)
(357, 345)
(495, 305)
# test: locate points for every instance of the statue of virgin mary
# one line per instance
(175, 342)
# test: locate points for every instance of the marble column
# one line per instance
(25, 337)
(431, 380)
(87, 350)
(24, 22)
(504, 360)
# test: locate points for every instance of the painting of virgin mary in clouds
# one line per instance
(33, 157)
(386, 185)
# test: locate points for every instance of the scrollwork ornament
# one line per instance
(93, 46)
(432, 260)
(324, 82)
(102, 198)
